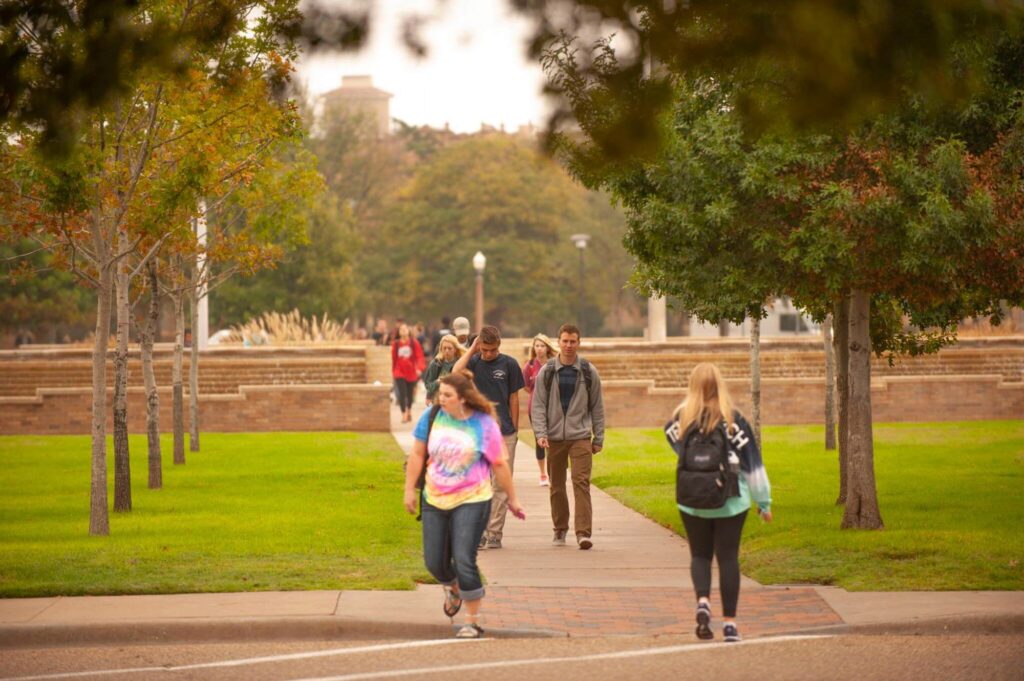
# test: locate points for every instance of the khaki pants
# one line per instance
(499, 504)
(581, 453)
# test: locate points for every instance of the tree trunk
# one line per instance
(193, 371)
(122, 462)
(841, 325)
(156, 475)
(99, 519)
(830, 384)
(862, 499)
(755, 374)
(177, 401)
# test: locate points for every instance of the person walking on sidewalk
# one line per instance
(568, 421)
(461, 445)
(448, 351)
(406, 365)
(719, 472)
(460, 329)
(541, 350)
(500, 379)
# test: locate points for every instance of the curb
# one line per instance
(235, 630)
(939, 626)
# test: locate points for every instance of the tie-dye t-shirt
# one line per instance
(460, 452)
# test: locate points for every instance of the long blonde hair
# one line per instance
(459, 350)
(552, 350)
(466, 389)
(707, 400)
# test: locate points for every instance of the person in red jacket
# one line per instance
(406, 364)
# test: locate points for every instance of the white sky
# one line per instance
(476, 70)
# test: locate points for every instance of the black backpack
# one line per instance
(422, 480)
(704, 478)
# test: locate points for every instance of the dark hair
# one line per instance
(446, 321)
(466, 389)
(490, 335)
(569, 328)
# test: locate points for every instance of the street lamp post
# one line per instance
(581, 240)
(479, 263)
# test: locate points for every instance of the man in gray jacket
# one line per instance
(568, 420)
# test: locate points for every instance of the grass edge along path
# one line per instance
(951, 496)
(250, 512)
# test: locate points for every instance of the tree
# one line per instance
(494, 194)
(64, 60)
(845, 63)
(131, 182)
(893, 218)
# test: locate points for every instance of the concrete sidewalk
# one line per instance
(634, 581)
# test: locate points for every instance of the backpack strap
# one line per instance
(549, 375)
(421, 482)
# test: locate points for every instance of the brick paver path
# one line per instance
(616, 611)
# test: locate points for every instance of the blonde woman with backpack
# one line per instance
(718, 475)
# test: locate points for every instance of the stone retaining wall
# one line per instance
(802, 400)
(68, 411)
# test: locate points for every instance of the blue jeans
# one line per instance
(450, 541)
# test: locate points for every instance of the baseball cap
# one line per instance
(460, 326)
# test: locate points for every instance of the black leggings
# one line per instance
(719, 537)
(405, 392)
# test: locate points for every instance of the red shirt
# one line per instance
(406, 359)
(530, 371)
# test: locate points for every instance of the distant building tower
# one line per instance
(358, 96)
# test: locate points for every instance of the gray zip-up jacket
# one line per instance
(584, 419)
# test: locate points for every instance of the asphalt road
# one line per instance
(854, 657)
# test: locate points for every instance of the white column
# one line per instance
(202, 334)
(657, 329)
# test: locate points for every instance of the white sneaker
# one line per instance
(544, 482)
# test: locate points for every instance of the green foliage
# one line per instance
(61, 61)
(498, 195)
(257, 512)
(39, 296)
(806, 65)
(950, 490)
(314, 277)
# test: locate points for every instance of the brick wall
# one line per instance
(67, 411)
(802, 400)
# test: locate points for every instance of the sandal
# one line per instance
(452, 602)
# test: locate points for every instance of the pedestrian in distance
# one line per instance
(448, 352)
(406, 365)
(541, 350)
(444, 330)
(460, 329)
(500, 379)
(719, 471)
(420, 333)
(568, 421)
(460, 443)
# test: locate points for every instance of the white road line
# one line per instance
(622, 654)
(241, 662)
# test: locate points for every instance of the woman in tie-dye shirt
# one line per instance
(462, 448)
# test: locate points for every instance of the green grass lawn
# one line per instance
(951, 496)
(250, 512)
